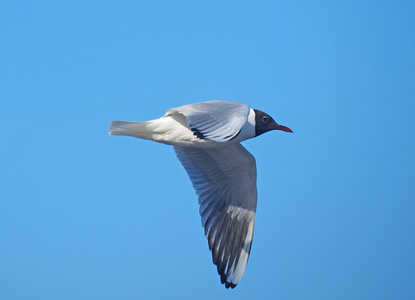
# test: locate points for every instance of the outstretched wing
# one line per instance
(218, 120)
(225, 181)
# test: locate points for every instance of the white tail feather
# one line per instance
(135, 129)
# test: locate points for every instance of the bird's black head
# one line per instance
(264, 123)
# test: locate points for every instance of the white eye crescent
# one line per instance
(265, 119)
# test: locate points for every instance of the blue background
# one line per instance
(86, 216)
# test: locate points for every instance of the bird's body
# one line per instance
(206, 137)
(174, 129)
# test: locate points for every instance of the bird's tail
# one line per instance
(135, 129)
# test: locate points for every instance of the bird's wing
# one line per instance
(219, 121)
(225, 181)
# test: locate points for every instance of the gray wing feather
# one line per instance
(225, 181)
(217, 120)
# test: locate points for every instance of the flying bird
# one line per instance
(206, 137)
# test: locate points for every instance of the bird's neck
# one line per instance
(248, 130)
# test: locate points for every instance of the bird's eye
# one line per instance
(265, 119)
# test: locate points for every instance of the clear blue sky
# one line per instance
(86, 216)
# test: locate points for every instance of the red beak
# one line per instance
(283, 128)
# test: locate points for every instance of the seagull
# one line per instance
(207, 138)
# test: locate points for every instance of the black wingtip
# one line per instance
(229, 285)
(226, 283)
